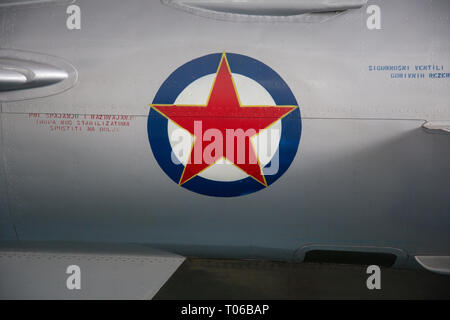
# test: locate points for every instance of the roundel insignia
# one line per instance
(224, 125)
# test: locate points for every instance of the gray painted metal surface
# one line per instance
(46, 274)
(438, 264)
(366, 173)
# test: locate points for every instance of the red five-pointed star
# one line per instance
(223, 112)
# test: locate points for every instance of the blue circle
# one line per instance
(197, 68)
